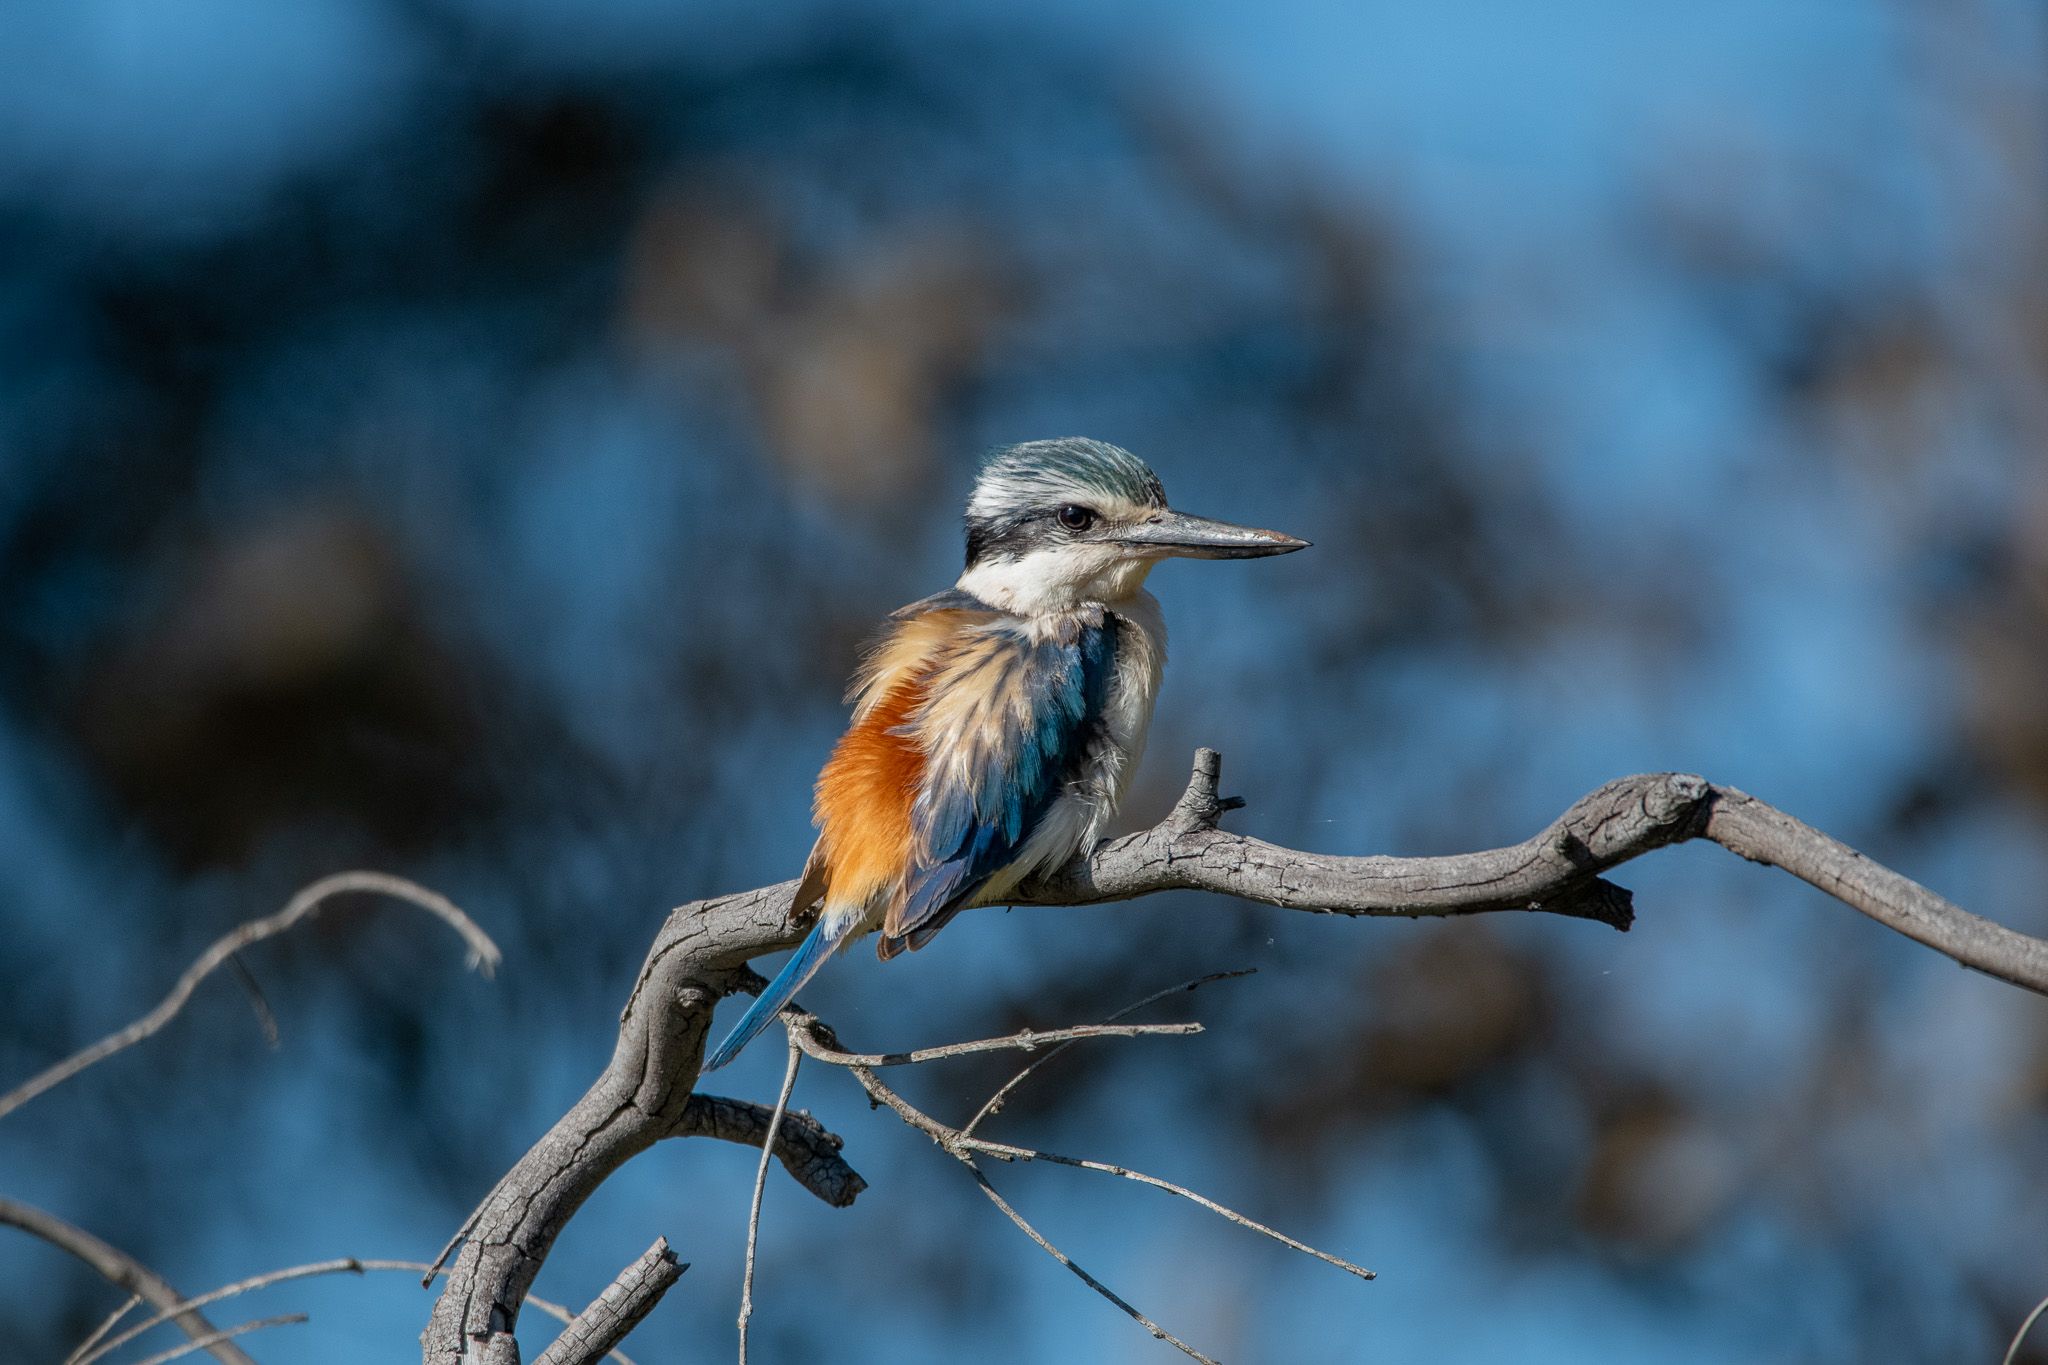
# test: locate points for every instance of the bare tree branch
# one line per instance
(701, 952)
(807, 1150)
(124, 1270)
(619, 1309)
(483, 956)
(1764, 834)
(796, 1058)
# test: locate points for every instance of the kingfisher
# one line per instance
(996, 724)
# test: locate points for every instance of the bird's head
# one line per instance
(1054, 525)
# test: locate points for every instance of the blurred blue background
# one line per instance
(471, 440)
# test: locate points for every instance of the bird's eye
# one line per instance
(1076, 518)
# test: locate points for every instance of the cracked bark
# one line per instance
(617, 1311)
(701, 952)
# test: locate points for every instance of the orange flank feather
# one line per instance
(863, 802)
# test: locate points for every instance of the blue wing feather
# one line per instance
(970, 830)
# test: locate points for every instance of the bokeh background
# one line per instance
(471, 440)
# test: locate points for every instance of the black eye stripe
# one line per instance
(1019, 533)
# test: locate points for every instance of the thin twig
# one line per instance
(483, 956)
(1098, 1286)
(994, 1104)
(429, 1271)
(122, 1269)
(99, 1332)
(259, 1003)
(1024, 1040)
(796, 1058)
(1221, 1211)
(2019, 1338)
(201, 1343)
(90, 1350)
(962, 1146)
(815, 1037)
(806, 1032)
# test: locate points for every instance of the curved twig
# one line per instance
(701, 952)
(2012, 1352)
(124, 1270)
(796, 1058)
(483, 957)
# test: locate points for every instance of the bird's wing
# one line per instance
(1004, 721)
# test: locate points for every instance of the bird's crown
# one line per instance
(1020, 480)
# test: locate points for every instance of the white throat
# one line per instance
(1050, 581)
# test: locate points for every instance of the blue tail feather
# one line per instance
(810, 955)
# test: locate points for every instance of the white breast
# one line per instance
(1133, 688)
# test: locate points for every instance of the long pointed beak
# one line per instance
(1177, 533)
